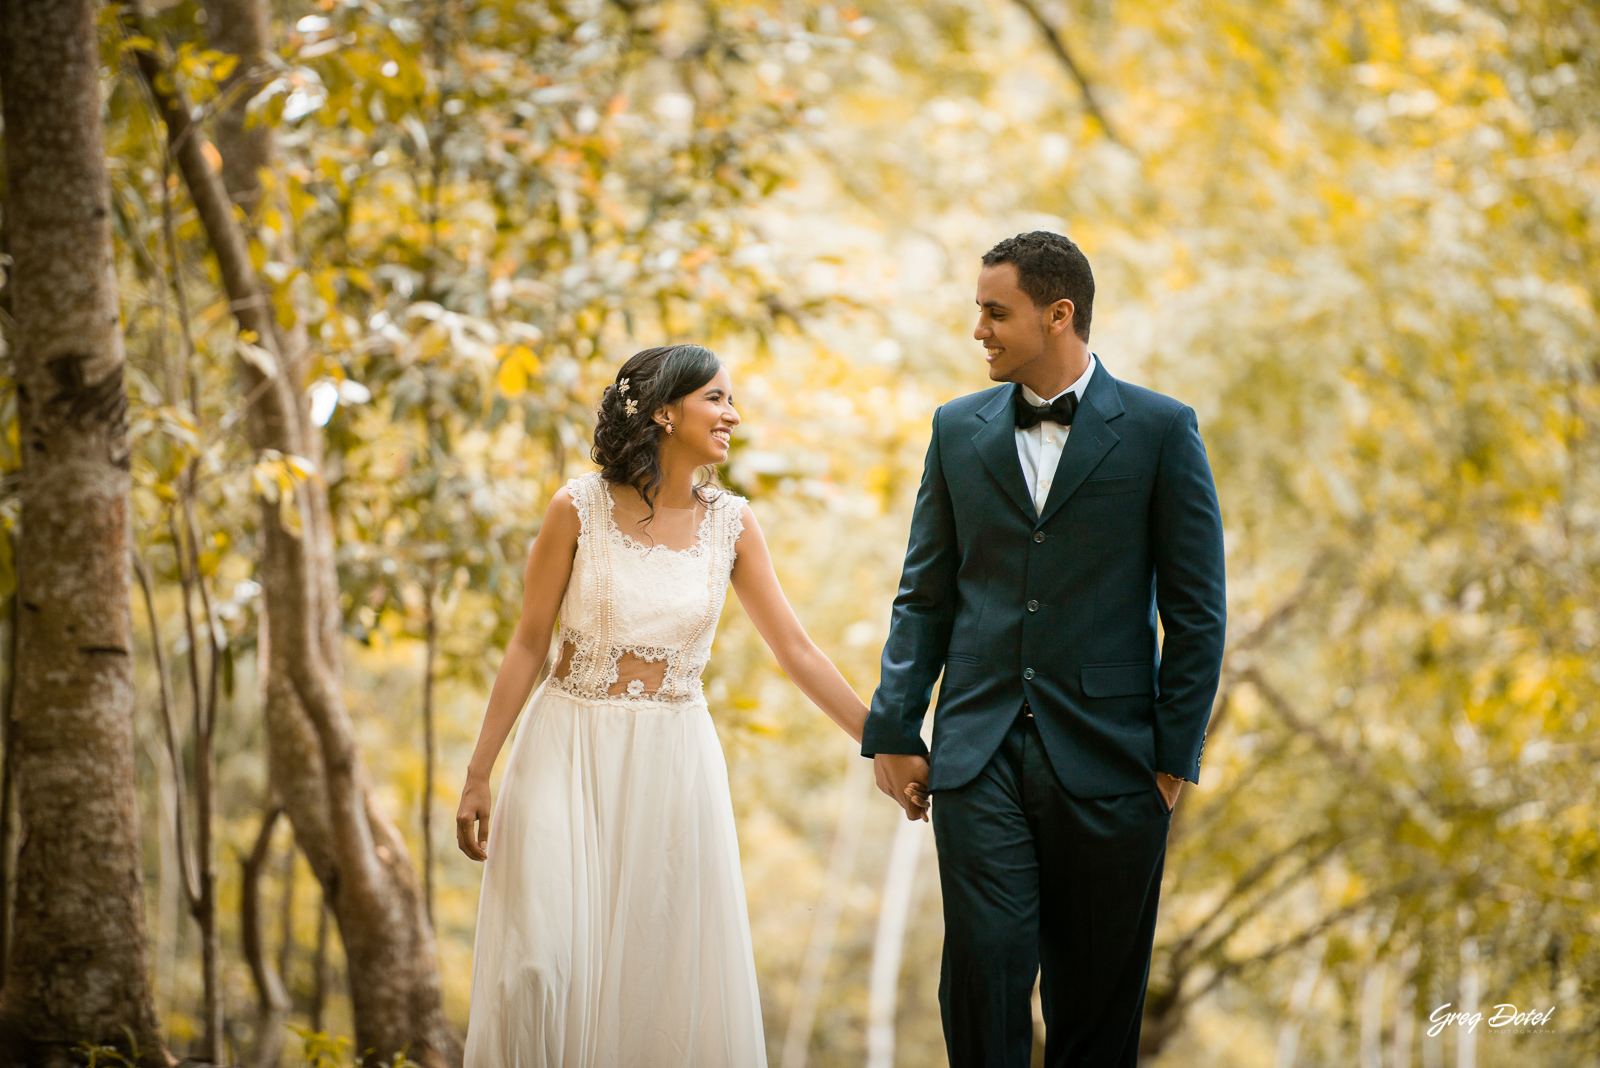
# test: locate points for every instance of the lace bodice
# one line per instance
(648, 604)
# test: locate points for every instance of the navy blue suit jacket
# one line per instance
(1059, 607)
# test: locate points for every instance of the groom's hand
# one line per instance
(1169, 785)
(904, 777)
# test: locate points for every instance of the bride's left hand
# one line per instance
(917, 794)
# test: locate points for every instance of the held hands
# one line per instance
(920, 801)
(1169, 785)
(472, 819)
(904, 777)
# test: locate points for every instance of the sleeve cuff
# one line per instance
(894, 749)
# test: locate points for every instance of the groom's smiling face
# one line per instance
(1014, 330)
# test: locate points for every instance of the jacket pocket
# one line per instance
(960, 671)
(1118, 680)
(1105, 487)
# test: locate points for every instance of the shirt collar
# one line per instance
(1077, 387)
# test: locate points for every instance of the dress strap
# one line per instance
(578, 490)
(594, 516)
(731, 527)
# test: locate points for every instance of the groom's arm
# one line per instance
(919, 630)
(1186, 537)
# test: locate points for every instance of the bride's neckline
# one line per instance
(693, 549)
(659, 507)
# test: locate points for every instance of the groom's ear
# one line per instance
(1058, 317)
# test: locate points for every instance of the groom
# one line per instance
(1059, 514)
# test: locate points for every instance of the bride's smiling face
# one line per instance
(702, 422)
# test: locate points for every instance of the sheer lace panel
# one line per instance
(637, 676)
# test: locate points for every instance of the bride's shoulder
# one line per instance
(566, 508)
(557, 537)
(580, 495)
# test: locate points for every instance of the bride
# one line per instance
(612, 928)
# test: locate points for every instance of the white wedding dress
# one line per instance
(612, 929)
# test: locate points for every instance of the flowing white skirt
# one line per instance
(612, 927)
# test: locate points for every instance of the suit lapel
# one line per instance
(996, 442)
(1091, 438)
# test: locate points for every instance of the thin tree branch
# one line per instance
(272, 1000)
(1286, 609)
(1058, 45)
(186, 865)
(204, 907)
(185, 583)
(319, 964)
(1243, 885)
(286, 908)
(187, 498)
(1269, 895)
(175, 269)
(1402, 793)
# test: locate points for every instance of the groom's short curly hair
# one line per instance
(1050, 267)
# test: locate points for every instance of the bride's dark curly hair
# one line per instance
(627, 442)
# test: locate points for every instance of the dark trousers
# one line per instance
(1037, 882)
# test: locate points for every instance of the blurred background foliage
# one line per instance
(1359, 239)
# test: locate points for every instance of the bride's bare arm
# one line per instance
(757, 586)
(543, 585)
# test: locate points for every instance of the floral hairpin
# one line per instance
(622, 385)
(631, 407)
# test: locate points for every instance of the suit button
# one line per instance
(1038, 537)
(1027, 673)
(1033, 606)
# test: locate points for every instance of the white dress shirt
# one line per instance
(1039, 447)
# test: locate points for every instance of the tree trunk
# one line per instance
(355, 851)
(77, 970)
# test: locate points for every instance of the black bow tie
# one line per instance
(1061, 410)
